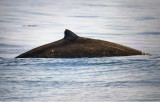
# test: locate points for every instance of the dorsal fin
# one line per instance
(69, 35)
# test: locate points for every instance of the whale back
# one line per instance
(73, 46)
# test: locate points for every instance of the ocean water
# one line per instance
(26, 24)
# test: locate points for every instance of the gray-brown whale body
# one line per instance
(73, 46)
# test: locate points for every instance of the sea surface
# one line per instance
(26, 24)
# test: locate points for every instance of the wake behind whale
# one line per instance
(73, 46)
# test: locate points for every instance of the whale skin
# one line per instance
(74, 46)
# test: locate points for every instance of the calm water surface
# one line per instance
(25, 24)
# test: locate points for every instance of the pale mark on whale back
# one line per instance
(144, 53)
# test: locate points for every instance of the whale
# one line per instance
(74, 46)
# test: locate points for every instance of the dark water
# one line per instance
(25, 24)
